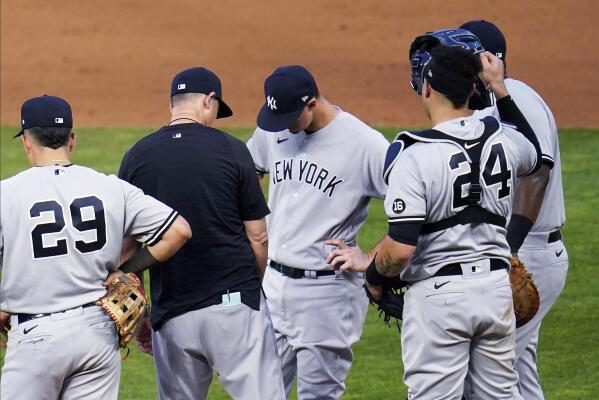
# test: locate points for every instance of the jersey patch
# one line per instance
(399, 206)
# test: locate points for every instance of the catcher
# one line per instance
(61, 231)
(447, 202)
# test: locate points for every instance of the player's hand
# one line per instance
(375, 291)
(111, 276)
(346, 258)
(143, 336)
(4, 328)
(493, 74)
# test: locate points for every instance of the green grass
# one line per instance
(569, 344)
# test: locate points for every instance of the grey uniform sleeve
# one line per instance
(374, 165)
(526, 154)
(405, 203)
(146, 219)
(259, 149)
(537, 117)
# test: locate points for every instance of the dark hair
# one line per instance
(52, 137)
(184, 98)
(459, 63)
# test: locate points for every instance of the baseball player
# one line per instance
(324, 167)
(537, 216)
(61, 228)
(450, 191)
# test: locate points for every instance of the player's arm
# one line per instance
(171, 241)
(258, 238)
(528, 199)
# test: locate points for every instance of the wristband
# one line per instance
(140, 261)
(517, 230)
(374, 277)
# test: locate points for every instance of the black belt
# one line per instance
(456, 268)
(22, 318)
(554, 236)
(297, 273)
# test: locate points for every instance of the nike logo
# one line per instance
(559, 253)
(279, 140)
(26, 331)
(468, 146)
(437, 286)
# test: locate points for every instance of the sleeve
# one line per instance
(536, 114)
(526, 154)
(405, 203)
(252, 205)
(509, 111)
(259, 150)
(124, 168)
(374, 165)
(146, 219)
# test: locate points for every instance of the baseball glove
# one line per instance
(524, 292)
(125, 303)
(391, 302)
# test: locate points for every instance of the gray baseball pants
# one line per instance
(548, 263)
(235, 341)
(71, 355)
(316, 322)
(456, 327)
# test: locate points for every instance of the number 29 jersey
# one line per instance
(430, 182)
(61, 231)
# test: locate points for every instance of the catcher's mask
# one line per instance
(420, 56)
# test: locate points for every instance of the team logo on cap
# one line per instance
(271, 103)
(430, 73)
(181, 86)
(305, 98)
(58, 121)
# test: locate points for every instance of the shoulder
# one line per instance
(360, 130)
(523, 94)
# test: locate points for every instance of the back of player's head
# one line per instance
(490, 36)
(51, 137)
(48, 119)
(452, 71)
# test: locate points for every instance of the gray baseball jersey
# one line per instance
(429, 181)
(320, 185)
(552, 214)
(61, 230)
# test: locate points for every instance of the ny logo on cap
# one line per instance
(58, 121)
(181, 86)
(271, 102)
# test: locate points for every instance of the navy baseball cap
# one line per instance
(201, 80)
(287, 91)
(45, 111)
(490, 36)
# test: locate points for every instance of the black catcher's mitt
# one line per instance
(391, 302)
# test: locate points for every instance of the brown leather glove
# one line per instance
(524, 292)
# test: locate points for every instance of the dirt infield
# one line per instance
(114, 59)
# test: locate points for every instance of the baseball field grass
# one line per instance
(569, 342)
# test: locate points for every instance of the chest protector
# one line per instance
(474, 213)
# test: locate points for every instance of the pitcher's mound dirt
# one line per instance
(113, 60)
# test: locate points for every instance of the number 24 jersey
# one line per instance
(431, 181)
